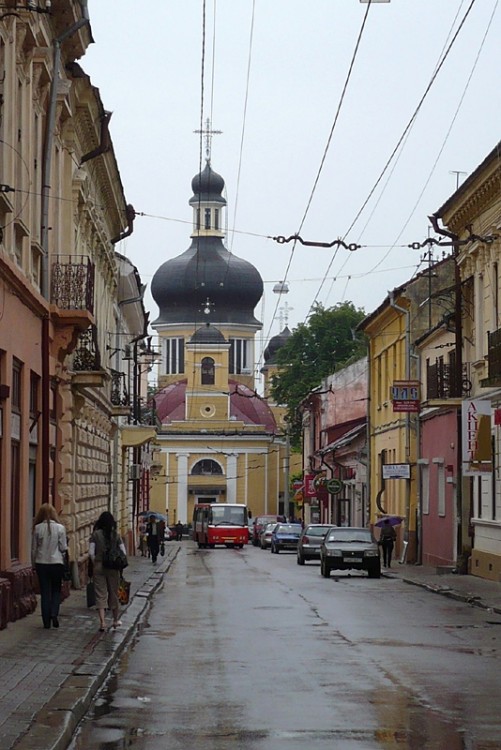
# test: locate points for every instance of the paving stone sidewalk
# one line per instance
(48, 678)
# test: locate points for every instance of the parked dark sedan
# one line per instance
(347, 547)
(285, 536)
(310, 540)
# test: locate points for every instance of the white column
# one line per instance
(231, 478)
(182, 487)
(266, 483)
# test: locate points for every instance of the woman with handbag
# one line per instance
(48, 546)
(106, 580)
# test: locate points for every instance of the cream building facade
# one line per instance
(66, 311)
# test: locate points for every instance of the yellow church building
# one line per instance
(218, 440)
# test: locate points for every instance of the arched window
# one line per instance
(206, 466)
(208, 371)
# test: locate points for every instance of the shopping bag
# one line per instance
(91, 594)
(123, 591)
(66, 566)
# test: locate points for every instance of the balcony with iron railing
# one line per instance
(493, 360)
(86, 367)
(72, 283)
(119, 395)
(443, 381)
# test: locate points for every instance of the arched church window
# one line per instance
(207, 218)
(206, 466)
(208, 372)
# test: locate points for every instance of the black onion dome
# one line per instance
(207, 186)
(207, 270)
(275, 343)
(208, 335)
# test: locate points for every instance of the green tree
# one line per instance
(316, 349)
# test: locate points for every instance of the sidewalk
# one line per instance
(48, 678)
(472, 590)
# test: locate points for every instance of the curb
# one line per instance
(53, 727)
(474, 601)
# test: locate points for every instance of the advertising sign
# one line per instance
(396, 471)
(476, 434)
(309, 485)
(405, 395)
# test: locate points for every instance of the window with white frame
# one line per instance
(240, 357)
(174, 356)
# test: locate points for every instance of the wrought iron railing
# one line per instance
(494, 354)
(73, 283)
(443, 381)
(86, 356)
(119, 395)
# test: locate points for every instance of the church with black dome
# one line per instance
(218, 440)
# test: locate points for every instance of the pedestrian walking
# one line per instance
(106, 580)
(47, 547)
(179, 531)
(154, 531)
(387, 540)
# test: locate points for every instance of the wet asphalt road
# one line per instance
(244, 649)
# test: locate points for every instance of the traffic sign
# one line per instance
(334, 486)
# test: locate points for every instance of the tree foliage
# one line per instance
(316, 349)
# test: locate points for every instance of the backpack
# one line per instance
(113, 557)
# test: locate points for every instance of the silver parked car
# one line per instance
(265, 537)
(349, 547)
(308, 547)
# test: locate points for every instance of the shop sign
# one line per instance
(476, 433)
(405, 395)
(396, 471)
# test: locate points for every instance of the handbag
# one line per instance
(113, 557)
(91, 593)
(66, 566)
(123, 591)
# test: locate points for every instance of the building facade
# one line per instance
(63, 293)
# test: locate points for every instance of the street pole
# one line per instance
(287, 471)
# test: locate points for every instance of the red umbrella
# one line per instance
(391, 520)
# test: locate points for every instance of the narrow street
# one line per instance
(246, 649)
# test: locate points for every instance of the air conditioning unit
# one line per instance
(134, 471)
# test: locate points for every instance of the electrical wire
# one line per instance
(324, 156)
(442, 57)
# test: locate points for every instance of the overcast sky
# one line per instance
(277, 101)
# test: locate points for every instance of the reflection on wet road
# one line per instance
(244, 649)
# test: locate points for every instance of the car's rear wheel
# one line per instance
(300, 559)
(324, 569)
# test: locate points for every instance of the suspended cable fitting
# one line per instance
(297, 238)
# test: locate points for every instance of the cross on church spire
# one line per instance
(208, 133)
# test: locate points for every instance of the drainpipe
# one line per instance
(407, 415)
(458, 337)
(47, 164)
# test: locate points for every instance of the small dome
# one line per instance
(275, 344)
(208, 335)
(207, 186)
